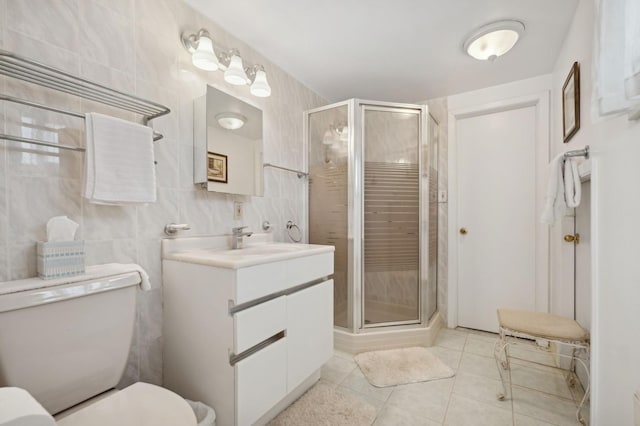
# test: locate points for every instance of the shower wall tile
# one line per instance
(151, 218)
(33, 200)
(3, 21)
(133, 46)
(108, 222)
(122, 80)
(4, 264)
(106, 36)
(55, 21)
(443, 265)
(167, 168)
(21, 258)
(185, 167)
(110, 251)
(122, 7)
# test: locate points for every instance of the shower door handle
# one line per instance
(463, 231)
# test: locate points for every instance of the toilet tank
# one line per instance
(68, 343)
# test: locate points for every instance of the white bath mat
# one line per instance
(324, 405)
(400, 366)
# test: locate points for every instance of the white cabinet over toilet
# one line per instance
(245, 331)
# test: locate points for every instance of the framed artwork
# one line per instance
(216, 167)
(571, 103)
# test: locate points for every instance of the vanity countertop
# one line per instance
(249, 255)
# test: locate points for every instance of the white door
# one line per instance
(497, 215)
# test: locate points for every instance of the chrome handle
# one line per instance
(173, 228)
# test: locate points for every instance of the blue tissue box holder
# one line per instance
(60, 259)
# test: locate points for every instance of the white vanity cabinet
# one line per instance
(248, 340)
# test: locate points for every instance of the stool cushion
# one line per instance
(540, 324)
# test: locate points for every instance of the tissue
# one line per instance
(61, 228)
(19, 408)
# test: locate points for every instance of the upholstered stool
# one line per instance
(562, 331)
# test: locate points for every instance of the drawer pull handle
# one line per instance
(234, 359)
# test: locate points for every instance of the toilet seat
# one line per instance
(140, 404)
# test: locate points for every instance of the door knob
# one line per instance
(463, 231)
(571, 238)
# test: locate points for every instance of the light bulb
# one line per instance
(235, 73)
(260, 86)
(204, 57)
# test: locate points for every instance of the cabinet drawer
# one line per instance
(306, 269)
(258, 323)
(261, 382)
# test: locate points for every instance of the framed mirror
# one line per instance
(228, 149)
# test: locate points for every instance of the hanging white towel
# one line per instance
(119, 161)
(554, 203)
(572, 185)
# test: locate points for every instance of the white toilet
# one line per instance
(68, 345)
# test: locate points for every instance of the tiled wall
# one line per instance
(133, 46)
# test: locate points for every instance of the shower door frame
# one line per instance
(423, 250)
(355, 204)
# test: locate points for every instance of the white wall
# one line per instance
(615, 210)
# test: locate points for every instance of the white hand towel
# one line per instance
(572, 185)
(555, 206)
(119, 161)
(19, 408)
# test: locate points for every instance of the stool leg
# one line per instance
(501, 356)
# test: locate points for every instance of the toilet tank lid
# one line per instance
(99, 278)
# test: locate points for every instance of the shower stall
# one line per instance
(373, 195)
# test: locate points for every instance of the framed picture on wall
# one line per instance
(571, 103)
(216, 167)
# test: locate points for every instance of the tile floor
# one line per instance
(467, 399)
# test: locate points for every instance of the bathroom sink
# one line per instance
(249, 255)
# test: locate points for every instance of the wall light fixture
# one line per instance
(203, 55)
(493, 40)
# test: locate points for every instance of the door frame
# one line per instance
(540, 101)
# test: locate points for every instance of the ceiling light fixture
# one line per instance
(203, 56)
(231, 120)
(493, 40)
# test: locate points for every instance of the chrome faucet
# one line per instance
(236, 236)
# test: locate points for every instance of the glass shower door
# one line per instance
(328, 142)
(391, 215)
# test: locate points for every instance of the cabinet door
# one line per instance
(309, 331)
(260, 382)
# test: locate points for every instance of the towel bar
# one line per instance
(578, 153)
(31, 71)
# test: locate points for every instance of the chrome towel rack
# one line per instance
(300, 174)
(578, 153)
(25, 69)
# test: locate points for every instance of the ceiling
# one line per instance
(393, 50)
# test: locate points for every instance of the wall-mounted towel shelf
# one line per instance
(31, 71)
(298, 172)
